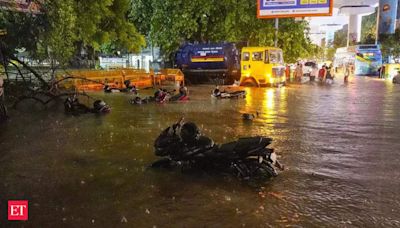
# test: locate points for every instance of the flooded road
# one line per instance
(340, 145)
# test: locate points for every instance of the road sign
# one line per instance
(294, 8)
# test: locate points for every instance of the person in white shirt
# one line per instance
(314, 73)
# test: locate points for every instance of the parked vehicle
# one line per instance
(182, 145)
(307, 68)
(201, 62)
(262, 66)
(366, 59)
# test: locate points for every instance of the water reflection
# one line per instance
(269, 100)
(339, 143)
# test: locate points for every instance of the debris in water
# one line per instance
(124, 220)
(227, 198)
(276, 195)
(147, 211)
(261, 194)
(238, 211)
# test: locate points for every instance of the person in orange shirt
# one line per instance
(287, 72)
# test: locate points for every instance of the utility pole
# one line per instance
(276, 31)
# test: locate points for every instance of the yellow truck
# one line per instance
(390, 70)
(261, 66)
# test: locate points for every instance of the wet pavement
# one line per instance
(340, 145)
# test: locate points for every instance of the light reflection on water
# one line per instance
(339, 145)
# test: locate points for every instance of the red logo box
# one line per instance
(18, 210)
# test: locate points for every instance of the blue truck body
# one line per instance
(215, 60)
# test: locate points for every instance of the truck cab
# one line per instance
(261, 66)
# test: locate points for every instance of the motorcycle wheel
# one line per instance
(252, 169)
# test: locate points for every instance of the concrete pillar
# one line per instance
(387, 16)
(354, 30)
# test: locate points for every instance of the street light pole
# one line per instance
(276, 31)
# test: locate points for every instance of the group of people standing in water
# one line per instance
(325, 74)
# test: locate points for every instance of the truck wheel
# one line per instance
(250, 83)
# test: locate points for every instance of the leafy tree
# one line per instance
(390, 44)
(60, 38)
(340, 38)
(65, 26)
(140, 14)
(330, 53)
(169, 23)
(368, 29)
(106, 22)
(174, 22)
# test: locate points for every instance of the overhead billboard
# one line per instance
(387, 16)
(294, 8)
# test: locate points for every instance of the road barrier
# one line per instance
(96, 79)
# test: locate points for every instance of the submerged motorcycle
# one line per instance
(161, 97)
(226, 95)
(246, 158)
(74, 107)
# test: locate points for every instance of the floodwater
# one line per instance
(340, 145)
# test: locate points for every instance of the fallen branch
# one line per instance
(36, 74)
(69, 94)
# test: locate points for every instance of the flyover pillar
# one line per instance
(355, 11)
(354, 30)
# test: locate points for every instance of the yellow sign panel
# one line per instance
(203, 60)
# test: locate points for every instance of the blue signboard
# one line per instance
(387, 16)
(294, 8)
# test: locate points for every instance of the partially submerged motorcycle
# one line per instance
(183, 145)
(74, 107)
(228, 95)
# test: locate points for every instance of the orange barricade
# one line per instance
(96, 79)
